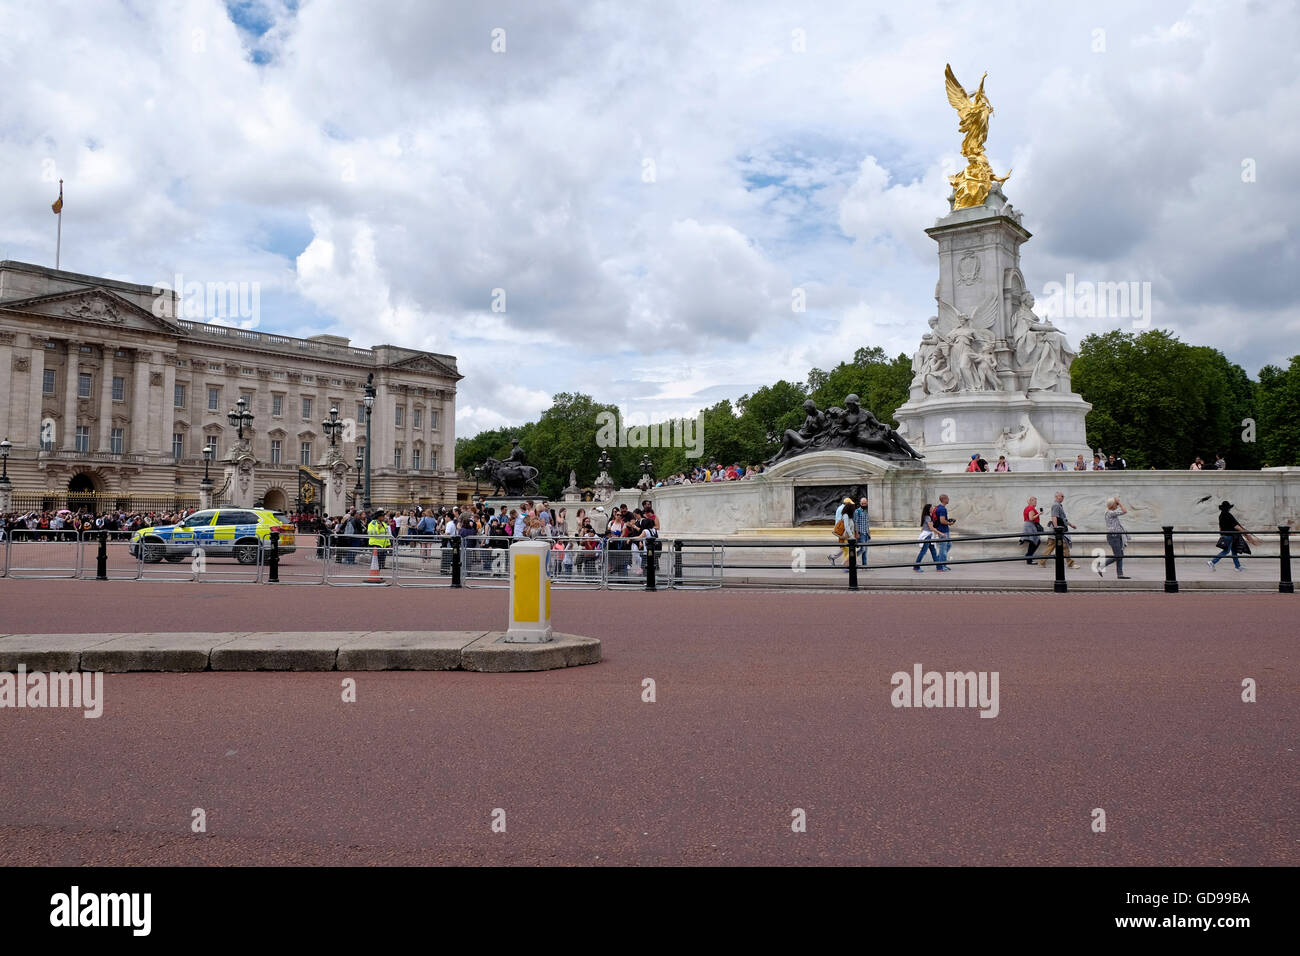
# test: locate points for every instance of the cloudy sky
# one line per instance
(648, 183)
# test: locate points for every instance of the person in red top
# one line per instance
(974, 463)
(1033, 526)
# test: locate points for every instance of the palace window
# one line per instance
(399, 416)
(304, 453)
(277, 453)
(119, 388)
(433, 419)
(115, 441)
(178, 400)
(47, 382)
(416, 416)
(415, 458)
(277, 406)
(84, 381)
(178, 445)
(83, 438)
(306, 408)
(397, 457)
(214, 399)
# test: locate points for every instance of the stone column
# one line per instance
(139, 402)
(28, 429)
(106, 400)
(7, 400)
(70, 397)
(168, 403)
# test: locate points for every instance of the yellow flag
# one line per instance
(57, 205)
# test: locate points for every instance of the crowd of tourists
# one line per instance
(712, 472)
(50, 525)
(579, 538)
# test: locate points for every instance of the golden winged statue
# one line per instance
(971, 186)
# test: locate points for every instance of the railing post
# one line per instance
(650, 557)
(275, 558)
(1284, 585)
(455, 560)
(853, 564)
(101, 559)
(1171, 574)
(1058, 584)
(677, 562)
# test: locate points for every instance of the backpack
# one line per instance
(839, 528)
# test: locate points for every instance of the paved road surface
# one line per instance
(766, 702)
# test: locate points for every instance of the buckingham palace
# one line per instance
(107, 397)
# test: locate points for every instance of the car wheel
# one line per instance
(152, 551)
(246, 553)
(175, 558)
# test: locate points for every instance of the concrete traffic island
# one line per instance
(482, 651)
(528, 644)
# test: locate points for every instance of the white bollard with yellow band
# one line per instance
(530, 594)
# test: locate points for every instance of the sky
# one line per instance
(628, 200)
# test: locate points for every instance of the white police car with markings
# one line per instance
(237, 533)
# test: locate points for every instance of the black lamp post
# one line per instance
(370, 407)
(604, 462)
(209, 451)
(357, 491)
(478, 473)
(240, 417)
(333, 427)
(5, 446)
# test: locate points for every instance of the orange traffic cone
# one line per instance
(375, 577)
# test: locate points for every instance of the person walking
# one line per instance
(1116, 537)
(843, 530)
(862, 525)
(1232, 538)
(1059, 520)
(1033, 527)
(943, 532)
(926, 537)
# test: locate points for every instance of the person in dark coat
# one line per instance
(1233, 538)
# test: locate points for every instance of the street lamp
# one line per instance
(209, 452)
(370, 407)
(478, 473)
(604, 461)
(361, 462)
(333, 427)
(5, 446)
(240, 417)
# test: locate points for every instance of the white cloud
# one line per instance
(385, 171)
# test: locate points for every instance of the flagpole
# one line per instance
(58, 242)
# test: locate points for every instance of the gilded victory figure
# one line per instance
(971, 186)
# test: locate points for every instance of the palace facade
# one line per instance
(107, 396)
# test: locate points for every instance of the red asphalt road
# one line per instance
(766, 702)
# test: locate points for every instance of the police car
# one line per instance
(227, 532)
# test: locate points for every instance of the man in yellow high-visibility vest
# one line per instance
(380, 535)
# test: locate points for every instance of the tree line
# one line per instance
(1156, 401)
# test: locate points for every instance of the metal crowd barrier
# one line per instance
(43, 553)
(484, 563)
(424, 561)
(576, 568)
(116, 563)
(695, 565)
(354, 567)
(304, 565)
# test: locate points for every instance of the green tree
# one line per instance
(1277, 422)
(1158, 401)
